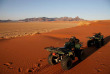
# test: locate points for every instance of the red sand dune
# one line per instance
(27, 54)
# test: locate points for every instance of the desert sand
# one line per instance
(17, 29)
(27, 54)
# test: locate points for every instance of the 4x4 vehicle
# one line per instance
(65, 54)
(96, 40)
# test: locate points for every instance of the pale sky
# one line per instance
(86, 9)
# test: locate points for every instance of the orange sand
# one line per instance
(23, 54)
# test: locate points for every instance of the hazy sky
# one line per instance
(87, 9)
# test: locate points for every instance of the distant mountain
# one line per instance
(5, 20)
(46, 19)
(53, 19)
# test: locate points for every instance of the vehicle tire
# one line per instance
(98, 44)
(81, 53)
(66, 63)
(102, 42)
(89, 43)
(51, 59)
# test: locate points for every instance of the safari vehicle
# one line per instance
(96, 40)
(64, 55)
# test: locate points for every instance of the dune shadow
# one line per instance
(1, 40)
(90, 50)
